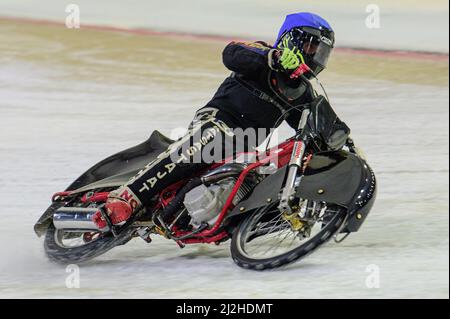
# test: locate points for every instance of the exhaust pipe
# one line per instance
(75, 218)
(225, 171)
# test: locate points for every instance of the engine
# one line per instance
(204, 203)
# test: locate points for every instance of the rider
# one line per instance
(266, 83)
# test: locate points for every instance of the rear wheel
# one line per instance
(75, 247)
(268, 239)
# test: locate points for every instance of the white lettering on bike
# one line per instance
(183, 157)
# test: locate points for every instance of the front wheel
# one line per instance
(267, 239)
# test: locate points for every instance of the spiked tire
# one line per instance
(243, 260)
(64, 255)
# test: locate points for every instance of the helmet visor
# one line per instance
(322, 54)
(315, 48)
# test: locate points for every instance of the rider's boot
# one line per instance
(119, 207)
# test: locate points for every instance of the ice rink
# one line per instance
(403, 24)
(69, 98)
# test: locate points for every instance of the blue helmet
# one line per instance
(311, 35)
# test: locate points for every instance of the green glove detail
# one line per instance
(290, 58)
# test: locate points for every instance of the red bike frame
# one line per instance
(280, 155)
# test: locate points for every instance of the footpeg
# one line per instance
(145, 233)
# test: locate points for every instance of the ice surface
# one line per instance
(69, 99)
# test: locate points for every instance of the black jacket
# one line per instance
(249, 62)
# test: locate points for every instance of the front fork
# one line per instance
(295, 165)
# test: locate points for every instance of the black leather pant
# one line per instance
(209, 139)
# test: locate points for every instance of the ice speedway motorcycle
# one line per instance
(276, 209)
